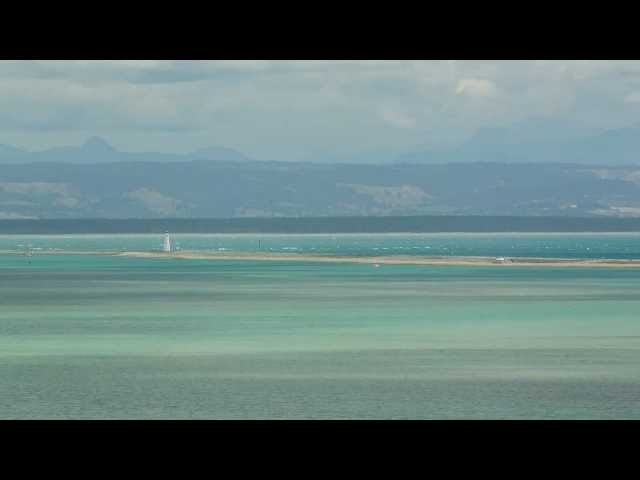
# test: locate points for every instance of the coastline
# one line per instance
(470, 261)
(390, 260)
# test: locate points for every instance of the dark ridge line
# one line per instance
(301, 225)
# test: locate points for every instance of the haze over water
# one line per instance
(113, 337)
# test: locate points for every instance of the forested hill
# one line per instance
(228, 189)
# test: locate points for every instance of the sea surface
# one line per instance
(545, 245)
(90, 336)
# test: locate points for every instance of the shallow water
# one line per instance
(545, 245)
(114, 337)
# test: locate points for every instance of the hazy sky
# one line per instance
(293, 110)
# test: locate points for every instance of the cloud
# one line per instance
(633, 97)
(281, 109)
(397, 118)
(476, 87)
(39, 104)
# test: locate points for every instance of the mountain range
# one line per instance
(497, 172)
(98, 150)
(610, 147)
(211, 189)
(526, 142)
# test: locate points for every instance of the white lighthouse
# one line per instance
(166, 247)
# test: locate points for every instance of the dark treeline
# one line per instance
(415, 224)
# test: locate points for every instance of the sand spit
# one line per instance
(382, 260)
(391, 260)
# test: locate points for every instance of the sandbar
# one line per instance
(391, 260)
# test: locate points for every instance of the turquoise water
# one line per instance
(602, 245)
(114, 337)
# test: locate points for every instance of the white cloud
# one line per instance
(267, 106)
(397, 118)
(476, 87)
(633, 97)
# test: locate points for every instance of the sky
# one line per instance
(300, 110)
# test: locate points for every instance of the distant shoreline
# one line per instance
(370, 260)
(391, 260)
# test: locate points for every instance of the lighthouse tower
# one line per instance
(166, 247)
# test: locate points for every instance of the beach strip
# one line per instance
(392, 260)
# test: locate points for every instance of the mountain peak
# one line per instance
(97, 144)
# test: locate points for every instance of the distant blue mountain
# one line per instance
(497, 172)
(98, 150)
(531, 141)
(612, 147)
(223, 189)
